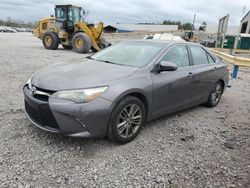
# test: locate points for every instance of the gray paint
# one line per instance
(165, 92)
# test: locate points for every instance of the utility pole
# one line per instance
(194, 22)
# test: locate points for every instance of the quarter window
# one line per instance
(199, 55)
(178, 55)
(210, 59)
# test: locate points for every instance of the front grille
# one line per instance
(41, 94)
(42, 116)
(43, 98)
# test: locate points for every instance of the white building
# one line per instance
(140, 27)
(231, 30)
(245, 24)
(147, 27)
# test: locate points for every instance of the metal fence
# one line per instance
(232, 59)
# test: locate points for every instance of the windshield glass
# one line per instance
(61, 13)
(129, 53)
(74, 14)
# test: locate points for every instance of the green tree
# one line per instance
(169, 22)
(8, 22)
(187, 26)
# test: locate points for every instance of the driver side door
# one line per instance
(172, 89)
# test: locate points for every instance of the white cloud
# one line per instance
(132, 11)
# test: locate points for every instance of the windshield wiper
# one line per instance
(105, 61)
(89, 57)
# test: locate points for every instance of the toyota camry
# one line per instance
(116, 91)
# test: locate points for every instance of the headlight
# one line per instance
(29, 81)
(81, 95)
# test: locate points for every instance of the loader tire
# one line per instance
(51, 40)
(81, 43)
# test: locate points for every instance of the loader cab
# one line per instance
(67, 16)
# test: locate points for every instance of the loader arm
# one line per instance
(93, 33)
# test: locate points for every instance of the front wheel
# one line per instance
(81, 43)
(215, 95)
(126, 120)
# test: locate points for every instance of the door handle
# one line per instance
(215, 68)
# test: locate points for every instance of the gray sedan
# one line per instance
(114, 92)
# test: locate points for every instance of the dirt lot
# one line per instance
(199, 147)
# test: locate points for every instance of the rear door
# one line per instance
(172, 89)
(204, 74)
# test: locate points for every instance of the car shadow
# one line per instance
(175, 115)
(89, 147)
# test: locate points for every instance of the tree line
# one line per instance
(17, 23)
(185, 26)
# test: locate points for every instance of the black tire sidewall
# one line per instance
(87, 42)
(112, 127)
(55, 40)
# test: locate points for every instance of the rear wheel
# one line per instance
(51, 40)
(215, 95)
(81, 43)
(126, 120)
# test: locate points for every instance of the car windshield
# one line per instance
(129, 53)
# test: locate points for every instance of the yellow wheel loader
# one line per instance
(67, 29)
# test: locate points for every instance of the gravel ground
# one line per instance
(199, 147)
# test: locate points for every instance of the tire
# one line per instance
(51, 40)
(129, 126)
(67, 47)
(215, 94)
(81, 43)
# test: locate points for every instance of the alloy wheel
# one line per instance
(216, 94)
(129, 120)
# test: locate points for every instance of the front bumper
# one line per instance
(66, 117)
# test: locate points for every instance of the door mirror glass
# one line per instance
(167, 66)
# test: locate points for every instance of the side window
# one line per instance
(210, 59)
(199, 55)
(44, 26)
(178, 55)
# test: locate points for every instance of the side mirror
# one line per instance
(167, 66)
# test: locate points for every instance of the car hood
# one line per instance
(84, 73)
